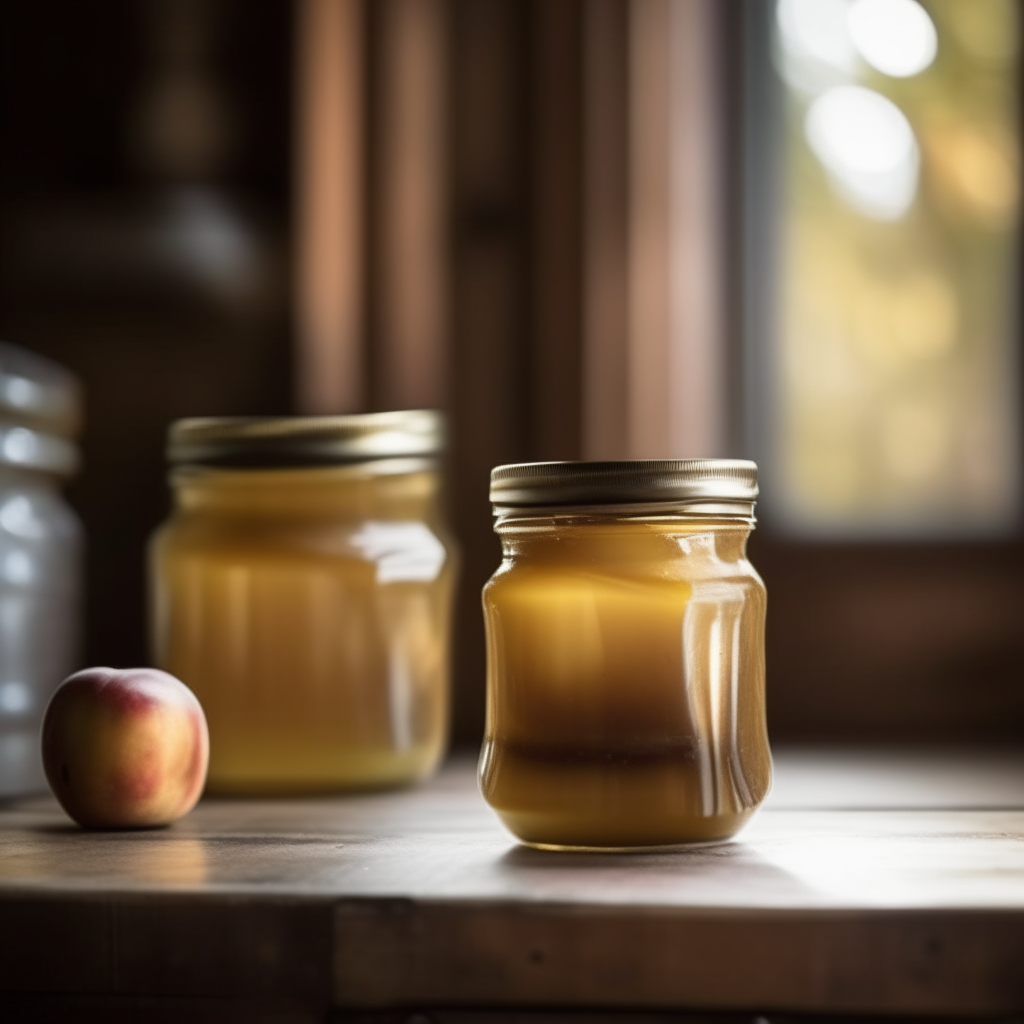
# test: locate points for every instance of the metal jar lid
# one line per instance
(622, 483)
(306, 440)
(39, 410)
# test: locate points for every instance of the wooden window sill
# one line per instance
(871, 882)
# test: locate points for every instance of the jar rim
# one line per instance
(629, 482)
(192, 473)
(740, 513)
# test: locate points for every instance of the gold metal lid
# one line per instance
(621, 483)
(306, 440)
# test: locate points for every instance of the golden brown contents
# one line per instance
(308, 609)
(625, 682)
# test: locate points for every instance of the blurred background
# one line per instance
(585, 229)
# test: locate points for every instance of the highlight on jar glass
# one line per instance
(302, 589)
(625, 654)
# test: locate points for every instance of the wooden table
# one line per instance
(869, 883)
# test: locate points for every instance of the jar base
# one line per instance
(697, 844)
(591, 835)
(280, 770)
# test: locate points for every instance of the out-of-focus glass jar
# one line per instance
(302, 587)
(625, 654)
(40, 541)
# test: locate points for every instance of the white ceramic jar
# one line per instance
(40, 541)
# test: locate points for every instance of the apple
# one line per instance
(125, 748)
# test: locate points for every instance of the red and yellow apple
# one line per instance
(125, 748)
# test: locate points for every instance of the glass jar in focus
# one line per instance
(625, 654)
(40, 554)
(302, 588)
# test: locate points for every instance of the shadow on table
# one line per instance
(722, 874)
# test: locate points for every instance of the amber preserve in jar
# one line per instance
(625, 654)
(302, 587)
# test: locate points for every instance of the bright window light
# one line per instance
(869, 148)
(891, 383)
(818, 29)
(895, 37)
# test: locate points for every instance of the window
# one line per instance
(892, 400)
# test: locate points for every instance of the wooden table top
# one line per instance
(869, 883)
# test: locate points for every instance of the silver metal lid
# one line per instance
(306, 440)
(40, 407)
(622, 483)
(32, 449)
(37, 392)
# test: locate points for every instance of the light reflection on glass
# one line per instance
(403, 552)
(16, 569)
(896, 403)
(15, 698)
(18, 517)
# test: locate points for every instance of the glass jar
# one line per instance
(625, 654)
(302, 588)
(40, 553)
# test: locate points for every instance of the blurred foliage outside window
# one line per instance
(896, 376)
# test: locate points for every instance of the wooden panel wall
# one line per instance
(552, 275)
(88, 200)
(329, 205)
(530, 212)
(490, 302)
